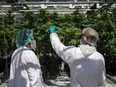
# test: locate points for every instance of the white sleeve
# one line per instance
(104, 73)
(62, 50)
(34, 70)
(103, 76)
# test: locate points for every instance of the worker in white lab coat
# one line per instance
(25, 70)
(87, 66)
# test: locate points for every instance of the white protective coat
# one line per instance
(25, 69)
(87, 66)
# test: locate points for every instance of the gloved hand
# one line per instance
(52, 29)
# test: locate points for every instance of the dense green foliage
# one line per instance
(68, 27)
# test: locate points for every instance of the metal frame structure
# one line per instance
(63, 7)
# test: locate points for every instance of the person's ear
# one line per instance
(85, 38)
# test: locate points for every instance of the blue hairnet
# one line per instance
(24, 37)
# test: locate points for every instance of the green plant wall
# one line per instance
(68, 27)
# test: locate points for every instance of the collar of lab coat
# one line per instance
(87, 50)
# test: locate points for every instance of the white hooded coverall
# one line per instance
(87, 66)
(25, 69)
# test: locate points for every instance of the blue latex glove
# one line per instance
(52, 29)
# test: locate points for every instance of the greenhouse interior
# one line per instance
(69, 17)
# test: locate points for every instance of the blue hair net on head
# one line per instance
(24, 37)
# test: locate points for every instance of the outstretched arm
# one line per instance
(62, 50)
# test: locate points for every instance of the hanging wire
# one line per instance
(13, 40)
(5, 47)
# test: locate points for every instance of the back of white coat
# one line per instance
(25, 69)
(87, 67)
